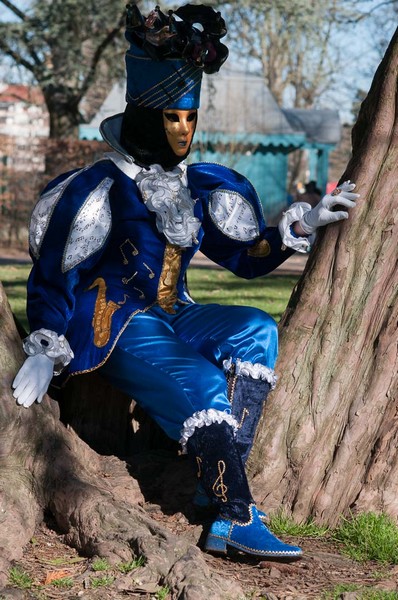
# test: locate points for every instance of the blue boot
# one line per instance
(252, 537)
(222, 475)
(247, 396)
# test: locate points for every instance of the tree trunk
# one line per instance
(63, 109)
(95, 500)
(328, 441)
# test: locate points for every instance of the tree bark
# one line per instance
(328, 440)
(95, 500)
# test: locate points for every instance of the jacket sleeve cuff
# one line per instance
(294, 213)
(44, 341)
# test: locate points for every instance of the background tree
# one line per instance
(73, 51)
(329, 440)
(292, 44)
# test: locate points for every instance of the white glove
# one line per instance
(33, 379)
(322, 214)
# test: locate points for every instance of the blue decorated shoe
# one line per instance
(252, 537)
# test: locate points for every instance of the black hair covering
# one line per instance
(143, 136)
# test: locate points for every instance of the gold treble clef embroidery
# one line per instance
(244, 413)
(219, 488)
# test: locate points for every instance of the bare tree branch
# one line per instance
(90, 77)
(11, 6)
(17, 58)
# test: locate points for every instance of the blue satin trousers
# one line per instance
(172, 365)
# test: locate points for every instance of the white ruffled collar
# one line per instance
(166, 194)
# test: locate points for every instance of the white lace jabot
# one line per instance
(166, 193)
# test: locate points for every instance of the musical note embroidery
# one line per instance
(127, 280)
(244, 413)
(219, 488)
(199, 463)
(142, 295)
(134, 250)
(151, 273)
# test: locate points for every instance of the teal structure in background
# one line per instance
(240, 125)
(262, 159)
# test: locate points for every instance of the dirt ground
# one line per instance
(47, 560)
(323, 567)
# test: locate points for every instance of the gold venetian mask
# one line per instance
(179, 126)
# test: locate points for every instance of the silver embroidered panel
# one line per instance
(233, 215)
(42, 212)
(90, 227)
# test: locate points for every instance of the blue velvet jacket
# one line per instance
(99, 259)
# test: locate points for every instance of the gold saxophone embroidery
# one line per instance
(219, 487)
(167, 288)
(244, 413)
(199, 463)
(260, 249)
(103, 312)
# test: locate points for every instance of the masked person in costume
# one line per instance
(111, 244)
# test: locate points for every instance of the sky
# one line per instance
(361, 61)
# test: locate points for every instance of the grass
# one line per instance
(100, 564)
(14, 278)
(130, 566)
(271, 294)
(64, 582)
(20, 579)
(104, 581)
(366, 536)
(282, 524)
(369, 536)
(163, 593)
(361, 593)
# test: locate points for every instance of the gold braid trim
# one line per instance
(167, 288)
(244, 413)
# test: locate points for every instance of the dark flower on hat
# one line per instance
(192, 32)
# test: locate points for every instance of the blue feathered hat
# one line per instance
(169, 53)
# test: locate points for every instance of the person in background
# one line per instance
(312, 194)
(111, 244)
